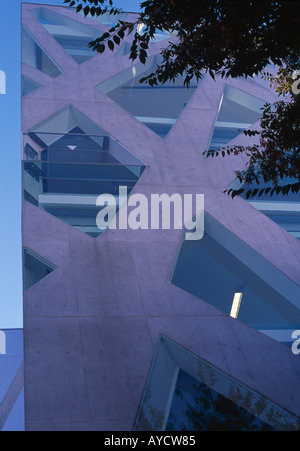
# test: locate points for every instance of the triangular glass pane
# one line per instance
(185, 392)
(35, 56)
(73, 36)
(28, 86)
(35, 268)
(68, 162)
(237, 112)
(157, 107)
(243, 288)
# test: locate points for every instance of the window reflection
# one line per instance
(187, 393)
(223, 271)
(36, 57)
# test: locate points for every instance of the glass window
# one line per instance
(186, 393)
(28, 86)
(64, 173)
(36, 57)
(73, 36)
(222, 270)
(158, 107)
(35, 268)
(282, 209)
(198, 407)
(107, 19)
(237, 112)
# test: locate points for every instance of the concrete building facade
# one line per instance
(115, 323)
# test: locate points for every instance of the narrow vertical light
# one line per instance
(236, 304)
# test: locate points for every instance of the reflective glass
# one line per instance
(28, 86)
(223, 271)
(69, 171)
(36, 57)
(73, 36)
(290, 222)
(77, 47)
(237, 112)
(35, 268)
(186, 393)
(198, 407)
(158, 107)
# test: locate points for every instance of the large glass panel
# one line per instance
(73, 36)
(198, 407)
(36, 57)
(63, 174)
(237, 112)
(11, 381)
(223, 271)
(28, 86)
(158, 107)
(68, 162)
(186, 393)
(35, 268)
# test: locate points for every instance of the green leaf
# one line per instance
(101, 48)
(211, 73)
(117, 40)
(111, 45)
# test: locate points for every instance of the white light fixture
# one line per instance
(237, 300)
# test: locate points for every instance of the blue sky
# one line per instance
(11, 314)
